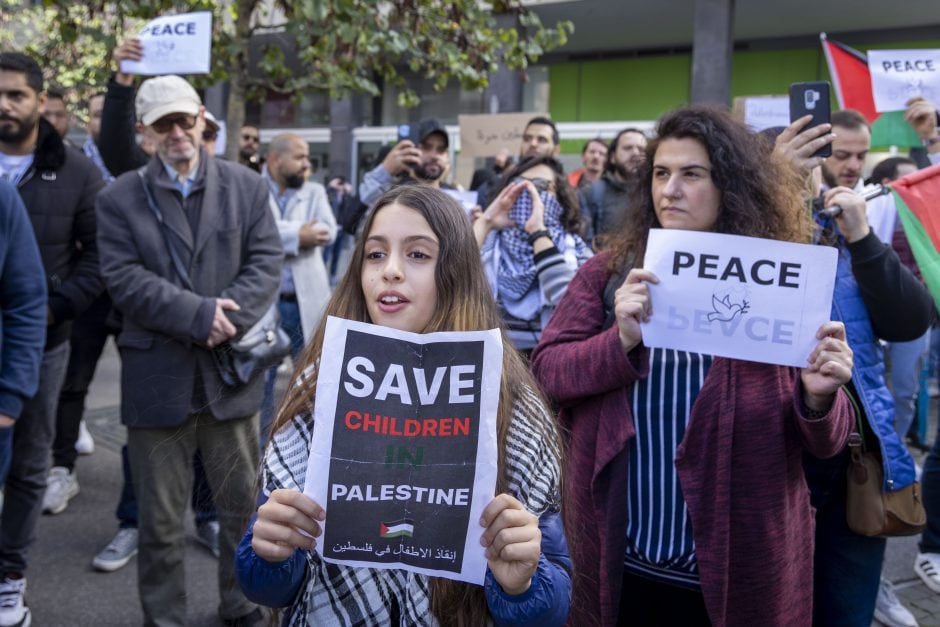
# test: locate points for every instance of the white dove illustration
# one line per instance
(725, 310)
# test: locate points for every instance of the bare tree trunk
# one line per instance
(238, 78)
(234, 115)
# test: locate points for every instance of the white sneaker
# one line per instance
(927, 567)
(85, 444)
(118, 552)
(61, 486)
(888, 609)
(13, 610)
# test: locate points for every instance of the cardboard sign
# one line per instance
(486, 135)
(898, 75)
(403, 453)
(740, 297)
(174, 44)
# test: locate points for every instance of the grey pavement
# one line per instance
(64, 590)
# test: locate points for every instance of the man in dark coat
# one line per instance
(215, 216)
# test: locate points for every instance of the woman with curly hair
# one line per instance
(686, 490)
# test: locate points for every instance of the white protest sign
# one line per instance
(467, 200)
(766, 112)
(403, 454)
(740, 297)
(174, 44)
(898, 75)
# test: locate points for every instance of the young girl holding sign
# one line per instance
(688, 492)
(415, 269)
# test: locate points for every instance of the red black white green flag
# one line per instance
(915, 195)
(852, 81)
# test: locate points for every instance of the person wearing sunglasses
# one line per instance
(531, 246)
(191, 255)
(249, 147)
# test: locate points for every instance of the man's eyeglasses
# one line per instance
(167, 122)
(208, 135)
(250, 138)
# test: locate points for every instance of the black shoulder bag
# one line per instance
(264, 345)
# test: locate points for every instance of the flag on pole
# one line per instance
(852, 81)
(915, 196)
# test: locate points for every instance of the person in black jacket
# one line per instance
(58, 185)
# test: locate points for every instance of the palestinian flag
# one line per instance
(397, 529)
(852, 81)
(915, 195)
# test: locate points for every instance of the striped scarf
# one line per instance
(342, 595)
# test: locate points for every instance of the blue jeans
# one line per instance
(930, 486)
(6, 452)
(906, 360)
(846, 565)
(290, 322)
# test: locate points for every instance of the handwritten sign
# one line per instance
(174, 44)
(898, 75)
(486, 135)
(403, 453)
(766, 112)
(741, 297)
(760, 112)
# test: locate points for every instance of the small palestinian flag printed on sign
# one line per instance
(397, 529)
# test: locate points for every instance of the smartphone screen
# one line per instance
(813, 99)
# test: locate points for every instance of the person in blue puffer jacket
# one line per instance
(877, 298)
(416, 269)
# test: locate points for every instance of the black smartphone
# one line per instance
(813, 99)
(404, 132)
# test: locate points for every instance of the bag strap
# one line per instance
(178, 264)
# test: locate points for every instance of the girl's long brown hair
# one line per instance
(464, 303)
(759, 196)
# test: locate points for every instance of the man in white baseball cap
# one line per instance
(191, 255)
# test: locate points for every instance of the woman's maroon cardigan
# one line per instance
(739, 465)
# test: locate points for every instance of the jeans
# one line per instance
(846, 565)
(6, 452)
(930, 487)
(906, 360)
(333, 253)
(29, 464)
(290, 322)
(89, 334)
(161, 462)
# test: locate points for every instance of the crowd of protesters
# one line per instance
(144, 235)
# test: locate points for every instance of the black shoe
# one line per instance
(258, 617)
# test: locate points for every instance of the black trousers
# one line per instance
(644, 602)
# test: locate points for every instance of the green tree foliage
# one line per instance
(339, 46)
